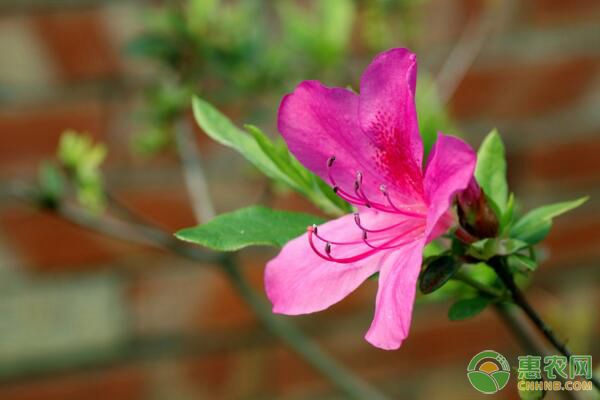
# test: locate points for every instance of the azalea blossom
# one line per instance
(368, 148)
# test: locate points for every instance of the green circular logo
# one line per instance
(488, 372)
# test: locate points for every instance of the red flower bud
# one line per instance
(475, 214)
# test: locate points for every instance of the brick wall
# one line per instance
(128, 322)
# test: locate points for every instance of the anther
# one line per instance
(364, 235)
(335, 189)
(328, 248)
(330, 161)
(314, 228)
(383, 189)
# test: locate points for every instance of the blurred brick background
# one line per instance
(128, 322)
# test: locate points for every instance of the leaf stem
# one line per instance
(490, 291)
(499, 265)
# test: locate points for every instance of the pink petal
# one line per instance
(395, 297)
(388, 115)
(298, 281)
(449, 169)
(318, 122)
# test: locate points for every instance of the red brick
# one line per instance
(433, 341)
(79, 43)
(226, 310)
(574, 162)
(211, 372)
(167, 207)
(50, 244)
(523, 91)
(30, 134)
(116, 384)
(573, 241)
(545, 12)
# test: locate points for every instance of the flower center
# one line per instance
(359, 197)
(375, 239)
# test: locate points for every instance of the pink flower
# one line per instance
(369, 149)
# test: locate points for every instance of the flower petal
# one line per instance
(449, 169)
(388, 115)
(317, 123)
(396, 295)
(298, 281)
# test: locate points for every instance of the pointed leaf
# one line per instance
(437, 273)
(520, 262)
(52, 183)
(251, 226)
(276, 163)
(467, 308)
(487, 248)
(220, 128)
(491, 170)
(536, 224)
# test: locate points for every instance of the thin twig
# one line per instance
(193, 174)
(487, 290)
(464, 53)
(352, 386)
(343, 378)
(109, 226)
(196, 184)
(499, 265)
(526, 337)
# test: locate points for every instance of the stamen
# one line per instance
(385, 246)
(387, 228)
(361, 199)
(385, 193)
(314, 230)
(390, 244)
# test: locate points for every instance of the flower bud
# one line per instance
(475, 214)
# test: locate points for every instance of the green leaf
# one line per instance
(467, 308)
(220, 129)
(536, 224)
(281, 157)
(251, 226)
(152, 46)
(151, 142)
(509, 213)
(437, 273)
(491, 170)
(51, 182)
(487, 248)
(273, 161)
(520, 262)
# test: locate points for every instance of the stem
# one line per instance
(490, 291)
(464, 53)
(526, 337)
(144, 235)
(306, 348)
(193, 172)
(499, 265)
